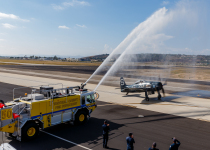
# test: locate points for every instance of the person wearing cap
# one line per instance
(130, 142)
(153, 147)
(175, 144)
(106, 130)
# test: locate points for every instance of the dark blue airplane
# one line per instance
(143, 86)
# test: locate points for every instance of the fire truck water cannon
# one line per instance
(24, 117)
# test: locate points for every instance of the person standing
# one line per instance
(106, 130)
(153, 147)
(130, 141)
(175, 144)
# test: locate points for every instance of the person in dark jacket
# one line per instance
(130, 141)
(175, 144)
(153, 147)
(106, 130)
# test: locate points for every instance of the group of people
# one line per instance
(130, 140)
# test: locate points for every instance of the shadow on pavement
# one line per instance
(7, 91)
(133, 95)
(155, 100)
(88, 135)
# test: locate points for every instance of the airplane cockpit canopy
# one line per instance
(140, 81)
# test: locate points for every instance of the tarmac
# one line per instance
(182, 113)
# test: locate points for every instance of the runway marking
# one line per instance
(67, 140)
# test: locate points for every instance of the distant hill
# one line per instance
(101, 57)
(178, 59)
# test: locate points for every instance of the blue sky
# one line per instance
(82, 27)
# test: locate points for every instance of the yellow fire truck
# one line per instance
(25, 116)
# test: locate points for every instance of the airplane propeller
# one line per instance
(163, 88)
(163, 91)
(163, 85)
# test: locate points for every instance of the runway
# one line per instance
(159, 127)
(88, 70)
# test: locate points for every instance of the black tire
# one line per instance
(147, 98)
(80, 117)
(30, 131)
(159, 97)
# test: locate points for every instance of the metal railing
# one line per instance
(32, 87)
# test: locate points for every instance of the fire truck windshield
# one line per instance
(90, 98)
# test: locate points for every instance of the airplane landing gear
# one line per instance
(127, 93)
(159, 95)
(146, 95)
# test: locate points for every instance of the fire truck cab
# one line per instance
(25, 116)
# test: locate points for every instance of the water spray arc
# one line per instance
(148, 37)
(129, 39)
(156, 18)
(109, 71)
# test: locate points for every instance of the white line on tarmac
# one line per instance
(67, 140)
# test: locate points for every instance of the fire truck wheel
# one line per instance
(30, 131)
(81, 117)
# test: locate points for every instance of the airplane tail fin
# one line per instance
(122, 83)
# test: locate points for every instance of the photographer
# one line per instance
(130, 141)
(153, 147)
(175, 144)
(106, 130)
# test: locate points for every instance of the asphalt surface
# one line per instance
(158, 127)
(72, 69)
(90, 70)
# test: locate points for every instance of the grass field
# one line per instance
(201, 73)
(8, 64)
(178, 72)
(49, 62)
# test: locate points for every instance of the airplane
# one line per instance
(143, 86)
